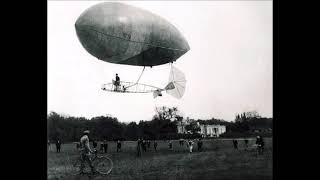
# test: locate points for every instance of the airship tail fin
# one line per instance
(177, 83)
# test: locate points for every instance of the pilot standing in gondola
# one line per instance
(117, 82)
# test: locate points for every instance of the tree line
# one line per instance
(69, 128)
(250, 124)
(163, 125)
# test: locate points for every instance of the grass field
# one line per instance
(217, 161)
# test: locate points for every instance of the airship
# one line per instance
(127, 35)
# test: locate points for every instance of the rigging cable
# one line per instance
(138, 78)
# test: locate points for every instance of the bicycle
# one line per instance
(102, 164)
(256, 149)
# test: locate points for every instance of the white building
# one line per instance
(206, 130)
(181, 127)
(212, 130)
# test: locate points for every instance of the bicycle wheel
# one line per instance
(74, 167)
(103, 165)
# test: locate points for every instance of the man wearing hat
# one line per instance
(117, 82)
(85, 151)
(260, 144)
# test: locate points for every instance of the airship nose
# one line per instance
(90, 40)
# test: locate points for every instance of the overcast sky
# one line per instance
(228, 68)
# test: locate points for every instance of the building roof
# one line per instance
(213, 122)
(206, 122)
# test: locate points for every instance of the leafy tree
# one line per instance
(164, 121)
(193, 127)
(252, 114)
(131, 131)
(246, 121)
(166, 113)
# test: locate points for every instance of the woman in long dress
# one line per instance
(190, 144)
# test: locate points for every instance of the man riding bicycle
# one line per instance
(85, 152)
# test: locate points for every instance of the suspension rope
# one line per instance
(140, 74)
(138, 78)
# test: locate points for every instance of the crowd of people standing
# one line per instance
(57, 143)
(144, 146)
(259, 144)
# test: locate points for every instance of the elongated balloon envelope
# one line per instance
(124, 34)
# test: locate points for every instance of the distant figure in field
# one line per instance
(149, 143)
(118, 146)
(200, 145)
(181, 142)
(58, 145)
(170, 144)
(85, 152)
(190, 145)
(144, 145)
(139, 147)
(105, 146)
(101, 146)
(235, 144)
(78, 145)
(49, 143)
(260, 144)
(246, 141)
(94, 144)
(155, 145)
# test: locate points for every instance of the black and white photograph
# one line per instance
(157, 90)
